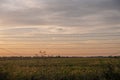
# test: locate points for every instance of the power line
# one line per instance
(44, 36)
(51, 40)
(9, 51)
(63, 48)
(113, 54)
(59, 44)
(72, 34)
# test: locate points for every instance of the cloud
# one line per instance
(18, 31)
(68, 16)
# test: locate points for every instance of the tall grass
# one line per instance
(60, 69)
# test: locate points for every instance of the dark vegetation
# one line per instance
(36, 68)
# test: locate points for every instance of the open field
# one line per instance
(60, 68)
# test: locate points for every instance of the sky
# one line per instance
(59, 27)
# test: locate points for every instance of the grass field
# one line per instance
(59, 68)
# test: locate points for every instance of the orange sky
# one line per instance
(59, 27)
(63, 48)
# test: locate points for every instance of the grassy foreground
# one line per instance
(59, 68)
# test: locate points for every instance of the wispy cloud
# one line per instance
(75, 20)
(64, 13)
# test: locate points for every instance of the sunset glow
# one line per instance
(59, 27)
